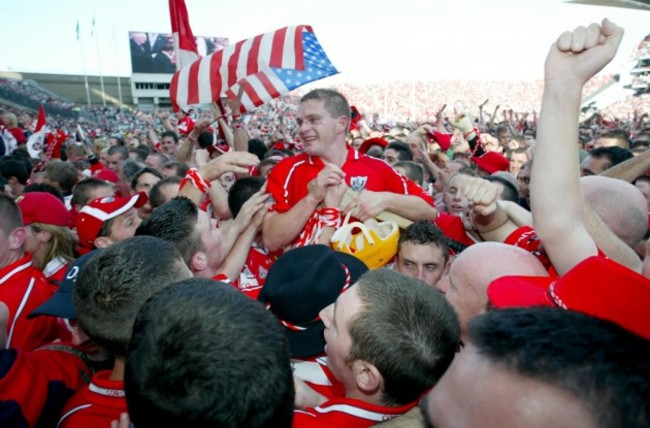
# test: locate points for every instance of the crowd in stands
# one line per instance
(338, 257)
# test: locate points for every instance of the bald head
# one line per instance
(620, 205)
(465, 286)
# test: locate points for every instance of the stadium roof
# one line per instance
(627, 4)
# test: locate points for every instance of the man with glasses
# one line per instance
(308, 188)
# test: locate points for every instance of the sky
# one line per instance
(367, 40)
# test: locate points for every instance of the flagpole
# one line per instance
(83, 64)
(99, 62)
(119, 84)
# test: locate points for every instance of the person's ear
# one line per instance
(17, 238)
(199, 262)
(103, 242)
(368, 378)
(44, 236)
(342, 124)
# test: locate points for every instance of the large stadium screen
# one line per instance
(154, 52)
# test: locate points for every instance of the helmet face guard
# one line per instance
(375, 245)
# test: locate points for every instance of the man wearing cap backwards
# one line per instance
(544, 367)
(107, 296)
(329, 166)
(106, 221)
(389, 338)
(22, 286)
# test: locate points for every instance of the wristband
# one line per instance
(197, 181)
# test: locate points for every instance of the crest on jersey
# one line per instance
(358, 183)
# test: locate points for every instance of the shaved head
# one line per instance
(620, 204)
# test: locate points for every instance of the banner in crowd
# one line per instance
(267, 66)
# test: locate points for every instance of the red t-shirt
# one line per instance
(96, 405)
(287, 182)
(37, 384)
(452, 227)
(23, 288)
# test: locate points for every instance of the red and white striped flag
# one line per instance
(35, 141)
(267, 66)
(184, 43)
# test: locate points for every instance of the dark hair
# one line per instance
(123, 151)
(169, 134)
(614, 154)
(333, 101)
(113, 285)
(619, 134)
(82, 190)
(605, 366)
(42, 187)
(509, 192)
(14, 168)
(241, 191)
(181, 168)
(257, 147)
(141, 152)
(64, 173)
(156, 196)
(425, 233)
(202, 355)
(161, 157)
(10, 216)
(403, 150)
(145, 170)
(413, 171)
(174, 221)
(407, 330)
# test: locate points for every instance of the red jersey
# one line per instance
(55, 270)
(23, 288)
(526, 238)
(452, 227)
(96, 405)
(287, 181)
(185, 125)
(337, 411)
(346, 413)
(36, 385)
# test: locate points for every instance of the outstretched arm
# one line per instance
(556, 198)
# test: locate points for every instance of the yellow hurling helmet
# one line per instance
(375, 246)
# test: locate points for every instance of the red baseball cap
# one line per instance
(597, 286)
(43, 207)
(92, 216)
(492, 162)
(107, 175)
(365, 146)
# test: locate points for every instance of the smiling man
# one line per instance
(309, 187)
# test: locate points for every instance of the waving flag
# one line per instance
(35, 141)
(267, 66)
(184, 43)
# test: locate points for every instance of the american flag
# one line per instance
(267, 66)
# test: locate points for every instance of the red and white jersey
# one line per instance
(95, 405)
(35, 385)
(185, 125)
(253, 275)
(55, 270)
(337, 411)
(24, 288)
(346, 413)
(287, 181)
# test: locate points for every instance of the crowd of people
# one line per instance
(314, 264)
